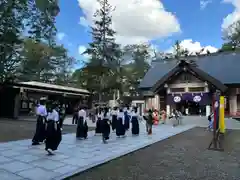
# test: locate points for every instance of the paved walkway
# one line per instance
(203, 122)
(19, 160)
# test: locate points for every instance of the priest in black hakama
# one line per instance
(127, 118)
(105, 125)
(75, 115)
(114, 118)
(82, 127)
(135, 122)
(53, 133)
(98, 122)
(40, 133)
(120, 128)
(62, 115)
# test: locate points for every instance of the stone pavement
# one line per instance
(19, 160)
(203, 122)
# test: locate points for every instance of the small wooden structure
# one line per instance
(18, 98)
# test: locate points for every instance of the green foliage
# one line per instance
(179, 51)
(10, 41)
(104, 53)
(227, 47)
(44, 63)
(231, 37)
(18, 17)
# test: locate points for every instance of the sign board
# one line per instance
(177, 99)
(197, 98)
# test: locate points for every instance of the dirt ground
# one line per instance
(12, 130)
(181, 157)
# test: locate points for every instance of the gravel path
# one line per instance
(182, 157)
(12, 130)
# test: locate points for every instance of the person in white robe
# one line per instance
(40, 132)
(82, 127)
(120, 128)
(98, 122)
(135, 117)
(53, 132)
(105, 125)
(127, 118)
(114, 114)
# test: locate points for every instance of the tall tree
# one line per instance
(179, 51)
(41, 20)
(36, 64)
(63, 64)
(45, 63)
(104, 53)
(139, 55)
(18, 18)
(231, 36)
(10, 40)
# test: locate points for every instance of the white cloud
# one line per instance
(204, 3)
(83, 21)
(61, 36)
(234, 16)
(194, 47)
(135, 21)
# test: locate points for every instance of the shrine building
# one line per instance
(188, 85)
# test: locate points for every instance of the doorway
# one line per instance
(193, 107)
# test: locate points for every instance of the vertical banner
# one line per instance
(216, 111)
(221, 115)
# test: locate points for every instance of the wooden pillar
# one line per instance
(17, 105)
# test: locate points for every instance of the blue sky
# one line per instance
(179, 20)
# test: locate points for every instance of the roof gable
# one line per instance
(186, 67)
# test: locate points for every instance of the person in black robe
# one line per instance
(62, 115)
(120, 129)
(98, 122)
(82, 127)
(149, 121)
(40, 133)
(127, 119)
(75, 115)
(135, 122)
(105, 125)
(114, 118)
(53, 132)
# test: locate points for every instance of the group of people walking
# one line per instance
(48, 128)
(117, 120)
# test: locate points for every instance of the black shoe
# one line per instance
(35, 143)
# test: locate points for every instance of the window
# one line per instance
(196, 89)
(177, 90)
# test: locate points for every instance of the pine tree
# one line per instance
(103, 51)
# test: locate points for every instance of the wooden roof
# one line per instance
(183, 66)
(50, 87)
